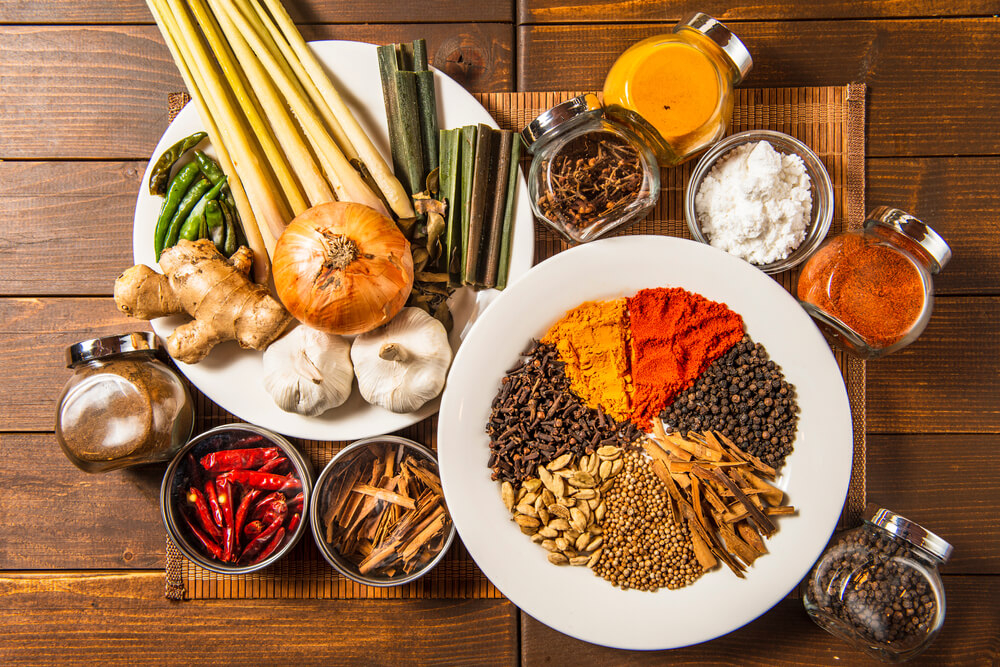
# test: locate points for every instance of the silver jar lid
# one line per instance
(730, 44)
(913, 533)
(97, 348)
(937, 250)
(559, 114)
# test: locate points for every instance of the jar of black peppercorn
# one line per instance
(589, 174)
(878, 587)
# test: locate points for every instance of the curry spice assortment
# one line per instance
(641, 437)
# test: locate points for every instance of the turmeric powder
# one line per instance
(592, 340)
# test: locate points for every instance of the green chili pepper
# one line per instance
(179, 185)
(209, 167)
(229, 215)
(191, 199)
(216, 226)
(196, 220)
(160, 173)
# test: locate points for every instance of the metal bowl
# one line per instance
(175, 484)
(822, 191)
(318, 506)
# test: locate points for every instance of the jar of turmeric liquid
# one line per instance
(676, 90)
(871, 289)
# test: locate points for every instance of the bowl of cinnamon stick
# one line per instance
(378, 514)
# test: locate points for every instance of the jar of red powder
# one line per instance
(872, 289)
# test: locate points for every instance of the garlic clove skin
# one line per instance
(308, 372)
(403, 364)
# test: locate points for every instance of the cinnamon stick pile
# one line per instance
(384, 511)
(720, 492)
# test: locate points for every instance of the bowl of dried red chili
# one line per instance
(234, 498)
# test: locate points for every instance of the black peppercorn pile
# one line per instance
(884, 600)
(536, 418)
(743, 395)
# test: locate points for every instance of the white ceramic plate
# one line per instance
(231, 376)
(573, 600)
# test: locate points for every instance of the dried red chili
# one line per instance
(868, 286)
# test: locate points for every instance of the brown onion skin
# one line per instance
(366, 293)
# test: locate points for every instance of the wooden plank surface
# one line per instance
(933, 83)
(127, 621)
(76, 520)
(85, 205)
(100, 91)
(605, 11)
(302, 11)
(786, 636)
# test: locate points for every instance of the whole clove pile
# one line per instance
(591, 175)
(383, 510)
(536, 418)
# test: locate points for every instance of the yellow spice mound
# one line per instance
(592, 339)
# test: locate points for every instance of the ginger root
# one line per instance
(216, 292)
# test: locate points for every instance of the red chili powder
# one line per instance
(676, 335)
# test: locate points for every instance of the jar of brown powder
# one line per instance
(122, 406)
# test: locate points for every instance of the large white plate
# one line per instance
(573, 600)
(231, 376)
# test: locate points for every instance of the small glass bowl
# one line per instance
(176, 482)
(822, 191)
(330, 475)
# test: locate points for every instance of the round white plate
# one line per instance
(572, 599)
(231, 376)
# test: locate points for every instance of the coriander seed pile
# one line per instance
(643, 548)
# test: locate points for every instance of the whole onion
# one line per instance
(342, 268)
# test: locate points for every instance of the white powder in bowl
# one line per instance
(755, 203)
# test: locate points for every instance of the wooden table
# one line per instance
(83, 90)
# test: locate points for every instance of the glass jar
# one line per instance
(589, 174)
(878, 586)
(871, 289)
(122, 406)
(676, 90)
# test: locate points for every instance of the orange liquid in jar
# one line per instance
(675, 87)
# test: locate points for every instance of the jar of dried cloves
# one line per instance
(122, 406)
(878, 586)
(589, 174)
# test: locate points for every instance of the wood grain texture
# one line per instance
(786, 636)
(960, 199)
(946, 381)
(52, 213)
(946, 483)
(101, 91)
(302, 11)
(933, 83)
(606, 11)
(76, 520)
(79, 618)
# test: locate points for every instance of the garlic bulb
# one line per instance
(308, 371)
(403, 364)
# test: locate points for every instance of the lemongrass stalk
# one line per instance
(262, 193)
(250, 106)
(285, 130)
(393, 190)
(255, 238)
(346, 181)
(280, 47)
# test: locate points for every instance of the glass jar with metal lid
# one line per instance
(122, 406)
(676, 90)
(589, 174)
(878, 586)
(872, 289)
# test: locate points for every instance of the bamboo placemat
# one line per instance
(831, 120)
